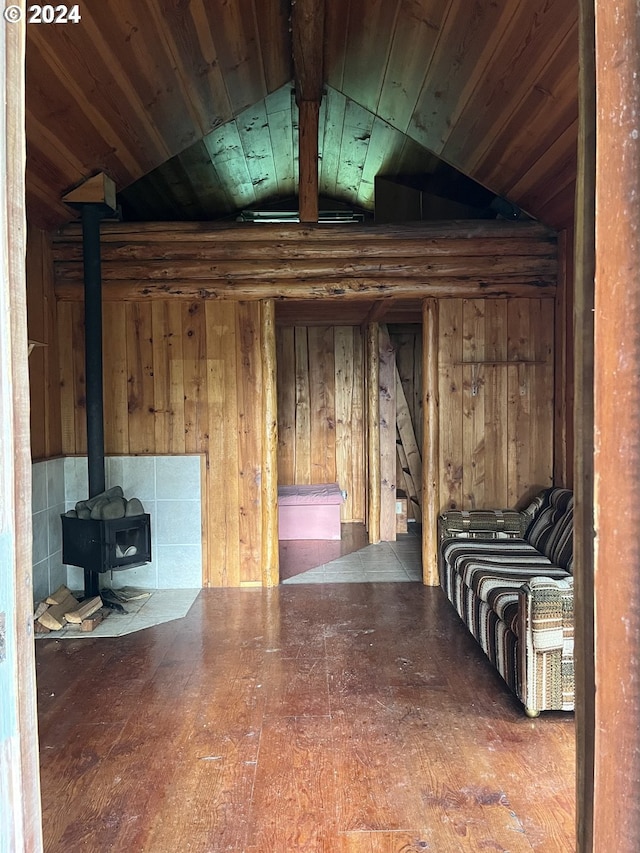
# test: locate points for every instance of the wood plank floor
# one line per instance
(345, 718)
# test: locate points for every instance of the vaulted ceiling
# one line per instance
(190, 105)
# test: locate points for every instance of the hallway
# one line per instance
(337, 718)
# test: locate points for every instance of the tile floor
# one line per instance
(163, 605)
(384, 562)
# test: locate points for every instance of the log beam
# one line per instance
(343, 289)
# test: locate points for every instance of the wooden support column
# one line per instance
(307, 39)
(20, 814)
(583, 437)
(373, 434)
(616, 804)
(270, 559)
(308, 161)
(430, 447)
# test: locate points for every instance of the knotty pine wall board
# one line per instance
(496, 401)
(321, 410)
(181, 377)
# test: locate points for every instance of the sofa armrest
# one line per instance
(483, 524)
(546, 644)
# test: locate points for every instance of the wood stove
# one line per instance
(99, 545)
(104, 545)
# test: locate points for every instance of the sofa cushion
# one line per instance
(496, 570)
(551, 531)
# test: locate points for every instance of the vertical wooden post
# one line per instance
(583, 417)
(430, 447)
(308, 160)
(373, 433)
(270, 559)
(616, 823)
(20, 814)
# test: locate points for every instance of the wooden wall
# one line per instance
(46, 437)
(496, 386)
(182, 377)
(321, 410)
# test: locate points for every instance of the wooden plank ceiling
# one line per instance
(190, 105)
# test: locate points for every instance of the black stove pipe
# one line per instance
(91, 216)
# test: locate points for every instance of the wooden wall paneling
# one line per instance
(194, 351)
(533, 35)
(358, 426)
(519, 395)
(116, 393)
(551, 103)
(373, 434)
(139, 347)
(451, 378)
(541, 433)
(472, 40)
(303, 474)
(387, 433)
(413, 43)
(220, 471)
(332, 115)
(168, 377)
(283, 140)
(80, 403)
(322, 398)
(286, 362)
(344, 392)
(495, 392)
(564, 348)
(370, 27)
(66, 377)
(269, 480)
(37, 330)
(431, 482)
(250, 390)
(473, 396)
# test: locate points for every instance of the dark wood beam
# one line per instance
(307, 37)
(308, 161)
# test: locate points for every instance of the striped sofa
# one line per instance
(509, 575)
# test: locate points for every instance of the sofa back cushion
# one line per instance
(551, 530)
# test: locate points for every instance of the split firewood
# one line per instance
(59, 595)
(40, 609)
(54, 616)
(92, 622)
(86, 609)
(39, 628)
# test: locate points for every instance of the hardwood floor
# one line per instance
(346, 718)
(299, 555)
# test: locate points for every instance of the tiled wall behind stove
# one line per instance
(170, 490)
(47, 503)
